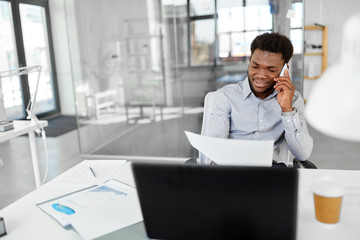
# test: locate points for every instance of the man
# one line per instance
(265, 106)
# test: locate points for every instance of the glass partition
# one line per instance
(141, 69)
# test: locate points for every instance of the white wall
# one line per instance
(332, 13)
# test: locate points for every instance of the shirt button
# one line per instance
(297, 134)
(256, 133)
(288, 120)
(294, 120)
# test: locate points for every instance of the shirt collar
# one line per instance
(247, 90)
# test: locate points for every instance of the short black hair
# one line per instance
(275, 43)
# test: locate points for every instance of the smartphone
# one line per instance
(285, 67)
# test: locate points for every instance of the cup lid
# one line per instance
(327, 186)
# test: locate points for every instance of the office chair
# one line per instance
(208, 102)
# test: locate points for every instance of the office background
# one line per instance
(135, 78)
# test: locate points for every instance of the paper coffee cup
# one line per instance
(328, 195)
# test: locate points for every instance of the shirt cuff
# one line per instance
(291, 120)
(292, 113)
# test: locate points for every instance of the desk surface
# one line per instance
(21, 127)
(25, 221)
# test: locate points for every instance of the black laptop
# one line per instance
(217, 202)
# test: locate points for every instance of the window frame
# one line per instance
(217, 59)
(232, 58)
(215, 16)
(19, 42)
(191, 19)
(298, 27)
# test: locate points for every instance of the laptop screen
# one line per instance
(217, 202)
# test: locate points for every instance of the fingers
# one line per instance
(284, 82)
(286, 77)
(282, 85)
(287, 72)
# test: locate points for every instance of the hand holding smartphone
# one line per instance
(285, 89)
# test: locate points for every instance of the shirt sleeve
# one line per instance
(219, 116)
(297, 135)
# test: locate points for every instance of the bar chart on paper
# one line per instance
(107, 190)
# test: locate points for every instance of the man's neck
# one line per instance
(262, 95)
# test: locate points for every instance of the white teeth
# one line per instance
(260, 83)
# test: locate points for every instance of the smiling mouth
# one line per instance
(258, 83)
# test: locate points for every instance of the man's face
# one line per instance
(263, 68)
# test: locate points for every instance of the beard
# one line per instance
(269, 90)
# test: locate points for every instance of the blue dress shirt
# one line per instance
(238, 114)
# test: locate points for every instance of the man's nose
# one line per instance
(261, 73)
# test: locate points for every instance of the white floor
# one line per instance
(16, 175)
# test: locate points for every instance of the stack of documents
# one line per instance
(6, 125)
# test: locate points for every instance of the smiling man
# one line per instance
(265, 106)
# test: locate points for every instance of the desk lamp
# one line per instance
(30, 110)
(333, 106)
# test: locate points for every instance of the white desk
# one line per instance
(25, 127)
(26, 221)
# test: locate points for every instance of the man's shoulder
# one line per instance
(225, 96)
(230, 88)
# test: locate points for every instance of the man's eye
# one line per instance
(272, 71)
(256, 67)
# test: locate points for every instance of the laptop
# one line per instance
(217, 202)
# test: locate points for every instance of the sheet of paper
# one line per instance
(50, 206)
(90, 172)
(109, 217)
(97, 210)
(233, 151)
